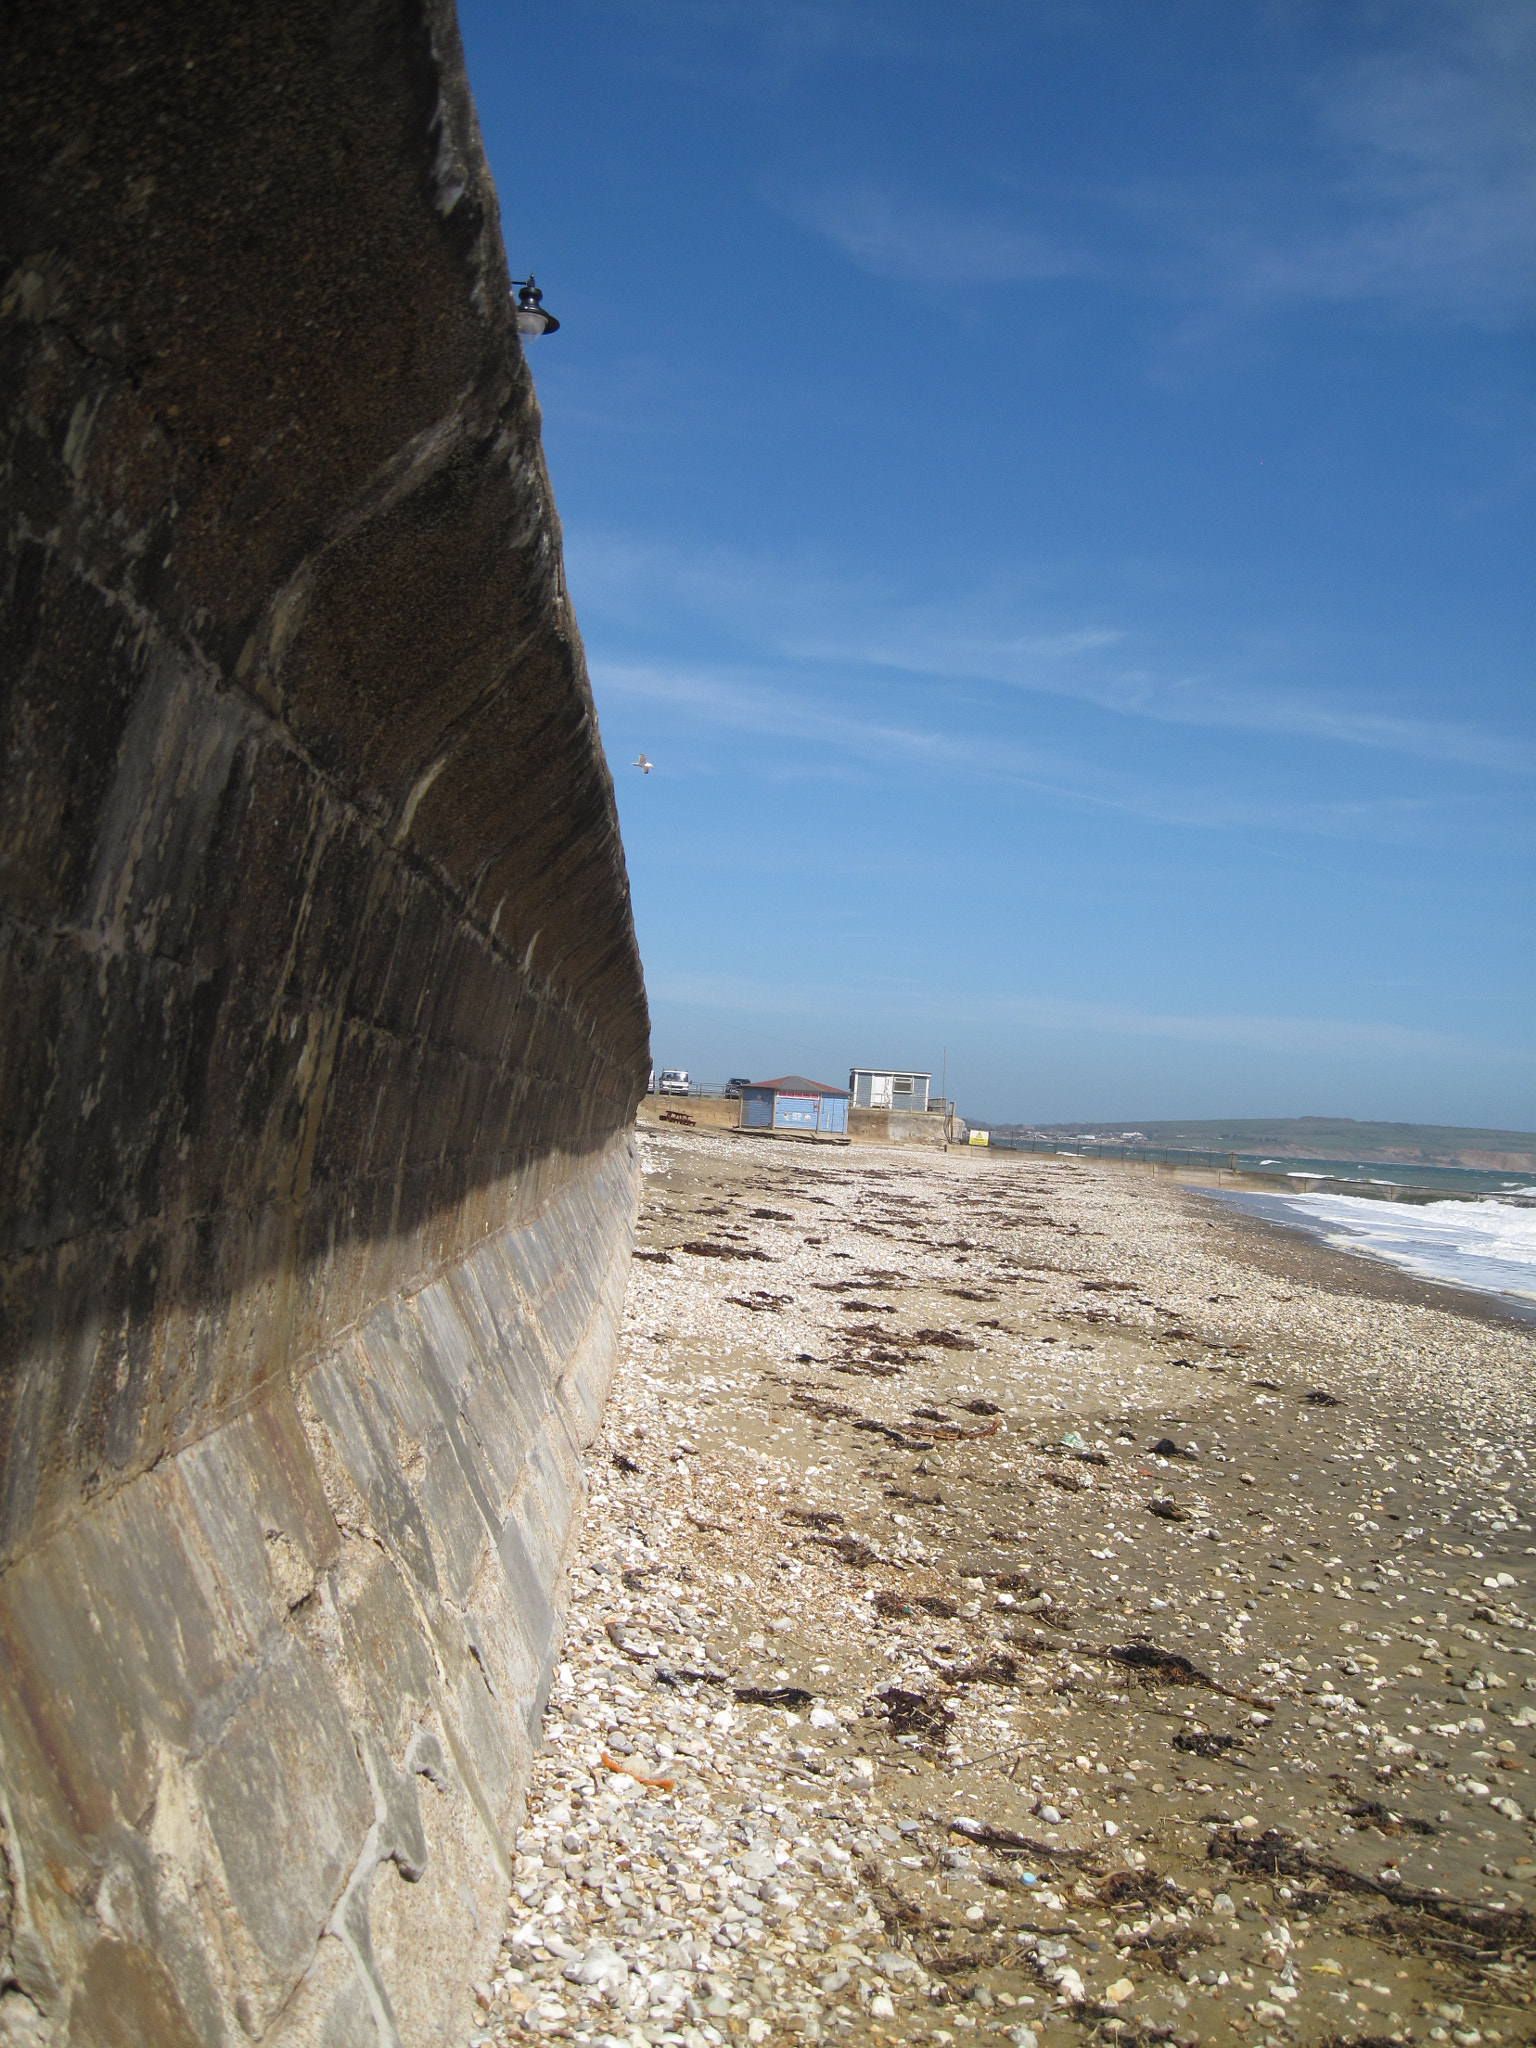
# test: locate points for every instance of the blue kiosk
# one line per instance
(792, 1103)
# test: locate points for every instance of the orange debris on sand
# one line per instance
(660, 1784)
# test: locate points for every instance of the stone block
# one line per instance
(287, 1806)
(332, 2008)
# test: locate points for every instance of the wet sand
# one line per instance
(1057, 1607)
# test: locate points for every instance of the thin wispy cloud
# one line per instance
(1053, 665)
(1328, 1037)
(917, 243)
(1411, 186)
(1436, 150)
(980, 757)
(781, 613)
(764, 707)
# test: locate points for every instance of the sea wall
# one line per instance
(322, 1028)
(903, 1127)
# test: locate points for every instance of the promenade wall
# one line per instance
(322, 1028)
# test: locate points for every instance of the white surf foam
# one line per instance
(1489, 1246)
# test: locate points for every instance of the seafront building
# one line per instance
(792, 1103)
(885, 1088)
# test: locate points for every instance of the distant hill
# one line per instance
(1321, 1137)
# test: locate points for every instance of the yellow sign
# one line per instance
(981, 1137)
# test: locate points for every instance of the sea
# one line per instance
(1488, 1246)
(1453, 1180)
(1484, 1241)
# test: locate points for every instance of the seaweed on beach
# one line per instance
(1154, 1666)
(1132, 1887)
(1200, 1742)
(818, 1405)
(1068, 1482)
(1008, 1842)
(1485, 1930)
(851, 1549)
(1389, 1823)
(998, 1669)
(920, 1714)
(1168, 1511)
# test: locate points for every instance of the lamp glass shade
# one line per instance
(530, 315)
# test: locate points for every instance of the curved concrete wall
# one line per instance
(321, 1030)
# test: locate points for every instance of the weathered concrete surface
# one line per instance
(323, 1028)
(902, 1127)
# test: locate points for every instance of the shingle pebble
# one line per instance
(1001, 1704)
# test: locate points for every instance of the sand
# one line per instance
(978, 1714)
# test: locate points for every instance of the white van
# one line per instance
(674, 1081)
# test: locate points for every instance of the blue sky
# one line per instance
(1050, 487)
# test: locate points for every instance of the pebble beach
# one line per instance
(1018, 1599)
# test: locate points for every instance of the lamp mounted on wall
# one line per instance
(531, 316)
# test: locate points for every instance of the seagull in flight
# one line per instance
(643, 765)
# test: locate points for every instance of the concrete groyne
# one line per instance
(323, 1029)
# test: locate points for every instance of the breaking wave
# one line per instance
(1488, 1246)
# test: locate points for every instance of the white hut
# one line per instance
(885, 1088)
